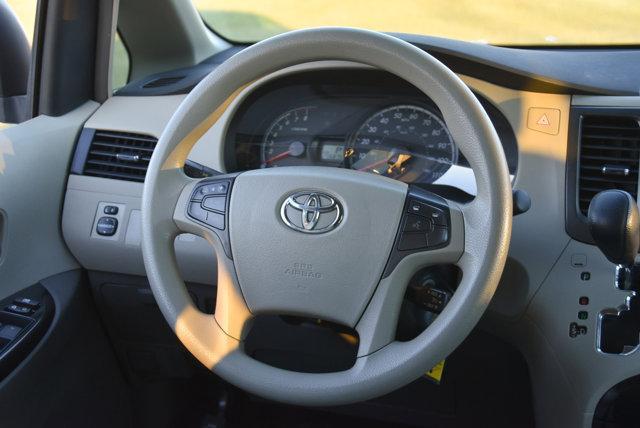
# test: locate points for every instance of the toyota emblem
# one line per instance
(311, 212)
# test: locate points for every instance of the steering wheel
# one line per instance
(327, 243)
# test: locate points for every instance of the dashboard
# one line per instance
(367, 120)
(334, 114)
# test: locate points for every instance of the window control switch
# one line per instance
(9, 332)
(20, 310)
(26, 302)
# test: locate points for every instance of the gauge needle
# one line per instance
(379, 162)
(296, 148)
(278, 157)
(402, 158)
(374, 164)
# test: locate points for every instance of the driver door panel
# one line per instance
(58, 369)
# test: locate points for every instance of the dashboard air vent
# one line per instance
(119, 155)
(163, 81)
(609, 156)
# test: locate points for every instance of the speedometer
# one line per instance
(405, 142)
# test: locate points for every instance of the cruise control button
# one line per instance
(216, 220)
(216, 203)
(438, 236)
(412, 241)
(416, 223)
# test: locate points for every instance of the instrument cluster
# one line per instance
(360, 119)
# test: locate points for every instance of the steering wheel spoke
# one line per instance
(203, 209)
(431, 232)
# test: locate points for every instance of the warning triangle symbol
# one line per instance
(544, 120)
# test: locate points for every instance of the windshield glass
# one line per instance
(500, 22)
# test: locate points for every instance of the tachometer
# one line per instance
(287, 140)
(405, 142)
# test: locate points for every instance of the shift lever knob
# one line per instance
(615, 226)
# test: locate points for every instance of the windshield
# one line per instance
(500, 22)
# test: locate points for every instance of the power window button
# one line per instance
(9, 332)
(27, 303)
(18, 310)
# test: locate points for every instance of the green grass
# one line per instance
(242, 26)
(492, 21)
(510, 22)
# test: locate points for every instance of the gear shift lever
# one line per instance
(614, 224)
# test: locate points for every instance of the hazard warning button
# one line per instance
(545, 120)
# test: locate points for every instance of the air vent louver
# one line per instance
(119, 155)
(163, 81)
(609, 156)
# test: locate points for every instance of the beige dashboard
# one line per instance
(541, 148)
(542, 285)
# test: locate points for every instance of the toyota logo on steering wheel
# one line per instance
(311, 212)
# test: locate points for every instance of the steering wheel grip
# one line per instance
(479, 246)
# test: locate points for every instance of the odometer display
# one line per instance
(405, 142)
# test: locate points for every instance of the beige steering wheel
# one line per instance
(256, 247)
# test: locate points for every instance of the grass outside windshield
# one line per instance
(500, 22)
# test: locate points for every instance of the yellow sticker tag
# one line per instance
(435, 374)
